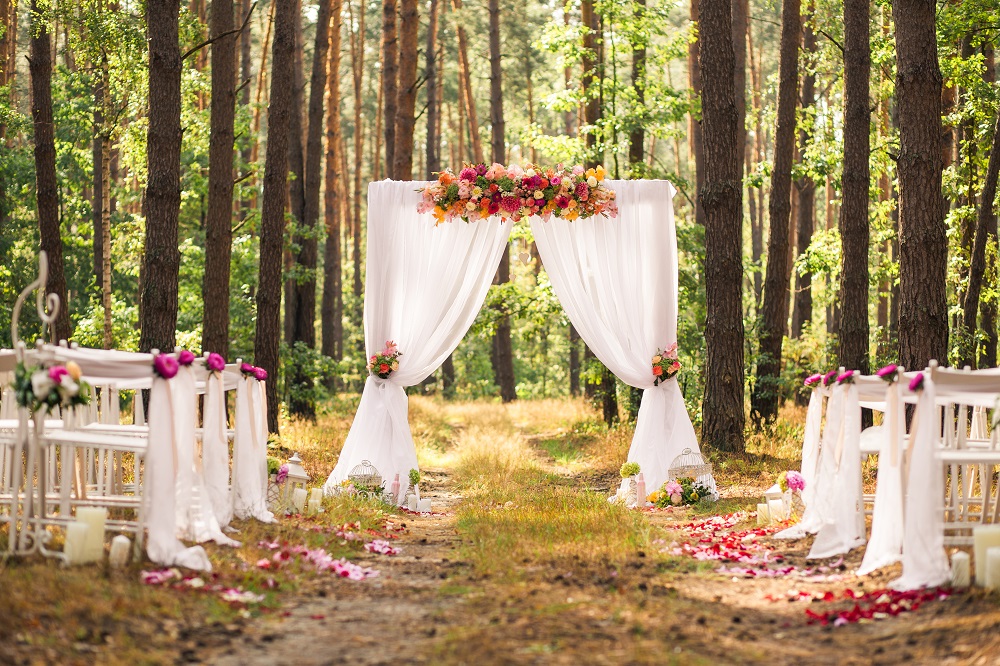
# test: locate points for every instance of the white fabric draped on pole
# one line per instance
(250, 452)
(423, 289)
(617, 280)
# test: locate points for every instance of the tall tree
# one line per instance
(636, 138)
(218, 224)
(721, 199)
(332, 307)
(854, 233)
(985, 222)
(161, 259)
(503, 353)
(802, 311)
(988, 306)
(433, 144)
(357, 72)
(406, 95)
(465, 83)
(695, 131)
(272, 218)
(923, 245)
(297, 185)
(101, 208)
(390, 81)
(764, 401)
(741, 10)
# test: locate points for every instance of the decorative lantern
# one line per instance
(690, 464)
(366, 479)
(297, 479)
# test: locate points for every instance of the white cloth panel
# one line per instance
(424, 286)
(885, 546)
(250, 454)
(617, 280)
(160, 497)
(925, 563)
(843, 528)
(215, 450)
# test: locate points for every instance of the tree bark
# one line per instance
(923, 246)
(272, 220)
(8, 43)
(696, 128)
(636, 139)
(721, 199)
(357, 71)
(985, 223)
(218, 224)
(756, 204)
(591, 79)
(297, 185)
(740, 22)
(465, 83)
(854, 233)
(433, 144)
(574, 361)
(988, 307)
(161, 260)
(764, 401)
(407, 90)
(802, 311)
(332, 307)
(390, 83)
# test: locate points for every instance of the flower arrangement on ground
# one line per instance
(512, 192)
(791, 480)
(629, 470)
(682, 491)
(386, 361)
(47, 388)
(665, 364)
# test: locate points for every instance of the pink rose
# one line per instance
(215, 362)
(917, 382)
(812, 379)
(260, 374)
(57, 372)
(246, 368)
(166, 366)
(185, 357)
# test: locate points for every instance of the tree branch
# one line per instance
(212, 40)
(835, 42)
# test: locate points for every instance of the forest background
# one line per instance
(223, 207)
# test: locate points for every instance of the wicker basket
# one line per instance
(690, 464)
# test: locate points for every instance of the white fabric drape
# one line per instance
(885, 546)
(843, 528)
(424, 287)
(810, 444)
(160, 496)
(925, 563)
(215, 450)
(617, 281)
(250, 453)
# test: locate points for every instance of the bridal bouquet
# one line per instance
(665, 364)
(386, 361)
(513, 193)
(47, 388)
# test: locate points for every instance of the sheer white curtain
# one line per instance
(617, 280)
(424, 287)
(250, 452)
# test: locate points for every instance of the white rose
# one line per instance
(41, 384)
(69, 387)
(592, 181)
(530, 173)
(539, 194)
(470, 206)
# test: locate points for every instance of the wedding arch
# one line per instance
(616, 278)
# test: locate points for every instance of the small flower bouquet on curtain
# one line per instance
(665, 364)
(386, 361)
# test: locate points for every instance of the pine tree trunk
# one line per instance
(741, 10)
(756, 204)
(97, 152)
(854, 233)
(272, 219)
(406, 95)
(465, 82)
(574, 361)
(802, 311)
(985, 223)
(107, 203)
(591, 78)
(246, 74)
(764, 401)
(390, 82)
(8, 40)
(988, 307)
(297, 184)
(358, 71)
(696, 126)
(636, 139)
(332, 308)
(923, 246)
(720, 197)
(433, 145)
(218, 225)
(161, 260)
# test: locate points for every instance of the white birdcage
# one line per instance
(366, 479)
(690, 464)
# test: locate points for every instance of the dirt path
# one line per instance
(391, 619)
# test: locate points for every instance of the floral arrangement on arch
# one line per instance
(47, 388)
(665, 364)
(512, 192)
(386, 361)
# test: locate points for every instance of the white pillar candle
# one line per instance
(983, 537)
(316, 494)
(299, 499)
(763, 515)
(313, 506)
(993, 568)
(411, 503)
(960, 569)
(424, 506)
(76, 542)
(776, 509)
(94, 518)
(120, 547)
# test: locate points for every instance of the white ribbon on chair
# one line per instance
(925, 563)
(215, 450)
(161, 476)
(250, 453)
(810, 444)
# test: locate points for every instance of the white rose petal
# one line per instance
(592, 181)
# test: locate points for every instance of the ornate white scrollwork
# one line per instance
(47, 305)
